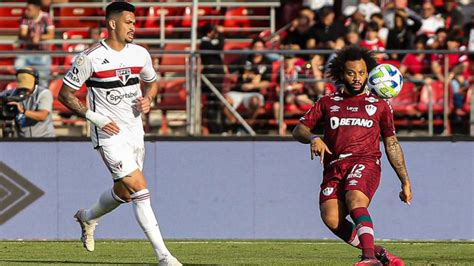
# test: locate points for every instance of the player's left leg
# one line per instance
(134, 188)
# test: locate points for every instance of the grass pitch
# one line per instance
(228, 252)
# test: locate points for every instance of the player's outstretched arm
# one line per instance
(397, 161)
(317, 146)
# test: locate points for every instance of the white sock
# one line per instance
(108, 201)
(147, 220)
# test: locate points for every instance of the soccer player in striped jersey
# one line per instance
(112, 70)
(353, 121)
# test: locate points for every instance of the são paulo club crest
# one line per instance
(123, 75)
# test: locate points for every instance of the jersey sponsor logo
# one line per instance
(370, 109)
(328, 191)
(123, 75)
(336, 122)
(337, 98)
(352, 108)
(372, 99)
(334, 108)
(115, 97)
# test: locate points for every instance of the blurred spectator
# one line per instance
(438, 42)
(457, 63)
(95, 34)
(301, 35)
(453, 18)
(372, 41)
(402, 36)
(391, 9)
(416, 65)
(215, 70)
(352, 37)
(316, 5)
(368, 8)
(430, 21)
(354, 19)
(253, 82)
(383, 31)
(328, 30)
(36, 26)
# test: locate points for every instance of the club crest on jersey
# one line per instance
(124, 75)
(328, 191)
(370, 109)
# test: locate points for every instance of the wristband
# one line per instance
(97, 119)
(313, 137)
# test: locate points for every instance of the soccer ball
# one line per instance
(385, 80)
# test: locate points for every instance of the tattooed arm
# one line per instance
(67, 97)
(395, 157)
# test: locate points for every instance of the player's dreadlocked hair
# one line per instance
(349, 53)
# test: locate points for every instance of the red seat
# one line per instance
(151, 25)
(329, 88)
(7, 63)
(203, 16)
(11, 85)
(173, 63)
(236, 18)
(394, 63)
(437, 97)
(234, 45)
(10, 17)
(172, 97)
(406, 101)
(79, 17)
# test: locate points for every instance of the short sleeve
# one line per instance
(387, 126)
(80, 71)
(313, 116)
(148, 74)
(45, 101)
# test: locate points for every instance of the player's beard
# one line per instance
(352, 90)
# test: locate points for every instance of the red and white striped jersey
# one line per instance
(113, 84)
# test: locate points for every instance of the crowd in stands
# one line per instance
(251, 83)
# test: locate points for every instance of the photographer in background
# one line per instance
(34, 117)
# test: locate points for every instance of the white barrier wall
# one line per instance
(240, 190)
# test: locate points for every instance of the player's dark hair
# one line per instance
(34, 2)
(118, 7)
(337, 65)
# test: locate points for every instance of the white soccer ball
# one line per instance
(385, 80)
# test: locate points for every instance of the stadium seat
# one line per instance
(234, 45)
(79, 17)
(7, 62)
(394, 63)
(10, 17)
(329, 88)
(203, 16)
(151, 25)
(236, 21)
(437, 98)
(11, 85)
(173, 63)
(406, 101)
(172, 97)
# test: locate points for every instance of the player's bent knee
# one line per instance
(356, 199)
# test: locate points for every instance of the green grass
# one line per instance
(228, 252)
